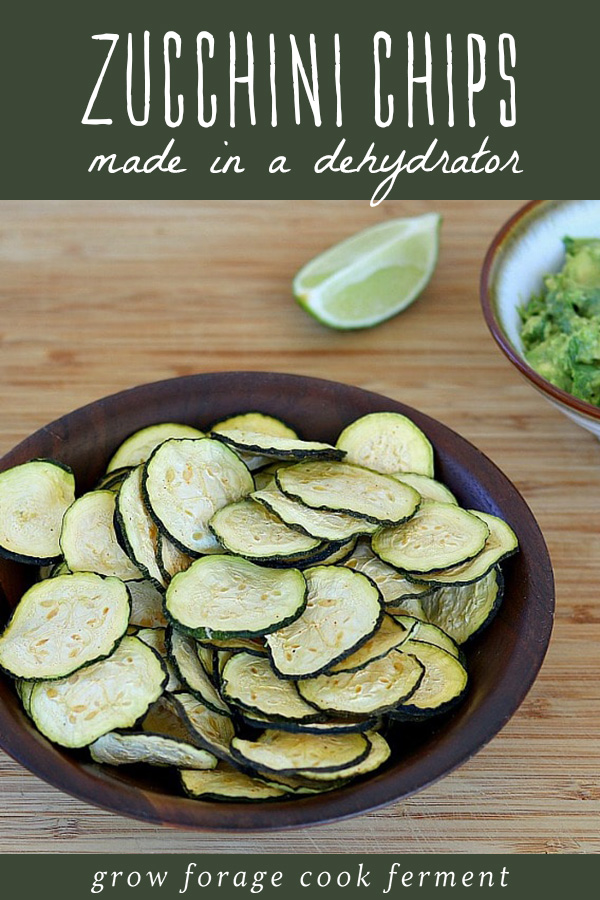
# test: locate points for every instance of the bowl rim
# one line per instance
(106, 791)
(512, 230)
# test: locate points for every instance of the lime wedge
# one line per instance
(371, 276)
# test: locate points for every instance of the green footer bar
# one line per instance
(315, 875)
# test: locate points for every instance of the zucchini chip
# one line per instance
(342, 611)
(264, 479)
(392, 584)
(390, 635)
(62, 624)
(222, 657)
(208, 661)
(328, 526)
(251, 530)
(186, 482)
(250, 683)
(258, 422)
(112, 481)
(501, 543)
(462, 610)
(183, 653)
(162, 718)
(379, 754)
(295, 786)
(387, 442)
(226, 596)
(157, 639)
(24, 690)
(227, 784)
(209, 729)
(409, 606)
(349, 489)
(335, 553)
(428, 488)
(255, 422)
(326, 553)
(116, 749)
(51, 571)
(255, 646)
(33, 500)
(426, 633)
(439, 536)
(275, 447)
(88, 539)
(146, 605)
(343, 725)
(376, 688)
(443, 683)
(137, 528)
(171, 560)
(287, 754)
(139, 446)
(110, 694)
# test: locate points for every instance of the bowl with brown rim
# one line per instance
(528, 247)
(503, 660)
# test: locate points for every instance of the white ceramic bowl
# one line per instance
(528, 247)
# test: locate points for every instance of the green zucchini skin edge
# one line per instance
(305, 727)
(89, 662)
(437, 584)
(327, 548)
(244, 762)
(37, 560)
(414, 714)
(110, 480)
(29, 560)
(217, 798)
(201, 633)
(333, 454)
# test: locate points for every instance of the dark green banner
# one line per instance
(116, 877)
(324, 98)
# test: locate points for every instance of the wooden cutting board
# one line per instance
(96, 296)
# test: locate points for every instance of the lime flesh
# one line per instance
(373, 275)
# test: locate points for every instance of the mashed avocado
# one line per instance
(561, 326)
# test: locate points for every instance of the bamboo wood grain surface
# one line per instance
(96, 296)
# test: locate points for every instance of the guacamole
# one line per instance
(561, 325)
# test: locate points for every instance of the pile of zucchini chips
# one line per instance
(254, 609)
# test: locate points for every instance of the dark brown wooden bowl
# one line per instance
(503, 661)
